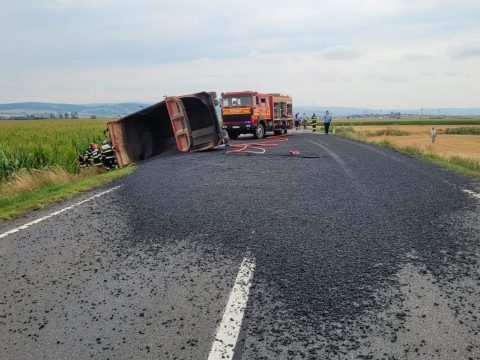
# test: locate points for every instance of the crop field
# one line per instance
(467, 121)
(452, 140)
(40, 144)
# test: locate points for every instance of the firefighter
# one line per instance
(83, 159)
(95, 158)
(108, 155)
(314, 120)
(86, 159)
(314, 124)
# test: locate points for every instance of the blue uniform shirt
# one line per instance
(327, 118)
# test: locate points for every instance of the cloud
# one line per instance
(340, 53)
(418, 57)
(458, 74)
(389, 78)
(465, 51)
(427, 74)
(330, 51)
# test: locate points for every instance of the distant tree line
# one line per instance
(66, 115)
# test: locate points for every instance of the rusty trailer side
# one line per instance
(187, 123)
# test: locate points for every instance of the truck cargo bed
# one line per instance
(188, 123)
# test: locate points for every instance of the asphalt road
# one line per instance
(359, 252)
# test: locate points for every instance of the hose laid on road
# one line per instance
(257, 147)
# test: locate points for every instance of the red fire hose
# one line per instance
(257, 147)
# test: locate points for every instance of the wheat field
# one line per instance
(418, 136)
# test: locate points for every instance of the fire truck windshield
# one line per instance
(237, 100)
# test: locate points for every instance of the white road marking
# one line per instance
(473, 193)
(335, 157)
(23, 227)
(229, 328)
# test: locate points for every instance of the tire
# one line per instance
(277, 132)
(260, 131)
(232, 136)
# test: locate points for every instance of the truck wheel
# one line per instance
(260, 131)
(232, 136)
(277, 132)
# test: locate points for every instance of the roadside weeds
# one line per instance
(29, 192)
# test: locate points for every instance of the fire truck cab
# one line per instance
(250, 112)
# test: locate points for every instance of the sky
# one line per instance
(363, 53)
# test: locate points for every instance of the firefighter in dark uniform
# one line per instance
(83, 159)
(95, 155)
(314, 122)
(108, 155)
(86, 159)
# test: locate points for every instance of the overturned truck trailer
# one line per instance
(188, 123)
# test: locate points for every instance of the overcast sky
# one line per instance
(364, 53)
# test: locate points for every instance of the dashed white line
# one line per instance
(229, 328)
(23, 227)
(472, 193)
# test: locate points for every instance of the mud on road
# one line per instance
(360, 252)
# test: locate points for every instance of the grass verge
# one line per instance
(469, 167)
(18, 205)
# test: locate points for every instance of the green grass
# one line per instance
(39, 162)
(37, 144)
(463, 131)
(21, 204)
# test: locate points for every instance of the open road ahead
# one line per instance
(348, 251)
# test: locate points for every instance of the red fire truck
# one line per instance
(250, 112)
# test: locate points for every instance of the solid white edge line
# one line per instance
(229, 328)
(36, 221)
(473, 193)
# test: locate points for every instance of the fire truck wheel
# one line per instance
(232, 136)
(260, 132)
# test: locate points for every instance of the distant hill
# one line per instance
(122, 109)
(83, 110)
